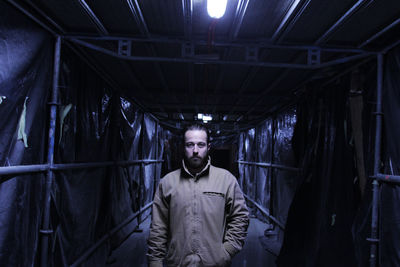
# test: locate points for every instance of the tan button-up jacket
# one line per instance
(197, 220)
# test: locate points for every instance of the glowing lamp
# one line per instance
(216, 8)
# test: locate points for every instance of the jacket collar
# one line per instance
(186, 173)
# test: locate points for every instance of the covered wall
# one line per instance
(269, 143)
(96, 126)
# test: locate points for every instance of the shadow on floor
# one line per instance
(132, 252)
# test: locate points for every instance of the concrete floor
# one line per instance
(132, 252)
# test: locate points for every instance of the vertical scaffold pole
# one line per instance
(375, 185)
(156, 164)
(45, 231)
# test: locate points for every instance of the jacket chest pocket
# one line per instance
(213, 203)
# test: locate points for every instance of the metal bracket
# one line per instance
(373, 240)
(46, 232)
(124, 47)
(53, 103)
(314, 57)
(251, 53)
(187, 50)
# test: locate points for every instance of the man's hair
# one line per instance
(196, 126)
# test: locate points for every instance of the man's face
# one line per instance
(196, 148)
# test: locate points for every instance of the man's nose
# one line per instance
(195, 149)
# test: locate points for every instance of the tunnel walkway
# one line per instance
(132, 252)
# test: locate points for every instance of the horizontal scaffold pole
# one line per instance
(108, 235)
(387, 178)
(268, 165)
(266, 213)
(26, 169)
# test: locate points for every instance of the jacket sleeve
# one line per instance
(237, 220)
(158, 237)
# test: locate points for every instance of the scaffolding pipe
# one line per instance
(269, 165)
(213, 61)
(259, 43)
(263, 211)
(375, 185)
(23, 169)
(45, 231)
(341, 20)
(387, 178)
(31, 16)
(108, 235)
(26, 169)
(156, 165)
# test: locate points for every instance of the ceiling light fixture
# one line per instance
(216, 8)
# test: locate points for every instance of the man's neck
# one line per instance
(195, 171)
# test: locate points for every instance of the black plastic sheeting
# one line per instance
(94, 124)
(389, 234)
(269, 142)
(23, 77)
(318, 229)
(329, 220)
(100, 126)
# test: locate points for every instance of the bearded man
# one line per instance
(199, 215)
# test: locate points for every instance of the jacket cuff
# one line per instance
(230, 249)
(155, 264)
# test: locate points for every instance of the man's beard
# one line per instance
(196, 162)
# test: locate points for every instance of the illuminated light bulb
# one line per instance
(216, 8)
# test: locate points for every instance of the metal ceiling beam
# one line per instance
(138, 16)
(381, 32)
(285, 20)
(290, 24)
(257, 43)
(232, 93)
(219, 62)
(32, 17)
(309, 79)
(188, 105)
(265, 92)
(187, 8)
(390, 47)
(283, 27)
(193, 60)
(241, 9)
(328, 33)
(101, 30)
(93, 18)
(341, 20)
(141, 22)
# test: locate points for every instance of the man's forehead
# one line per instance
(196, 135)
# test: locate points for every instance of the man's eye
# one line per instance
(201, 145)
(190, 145)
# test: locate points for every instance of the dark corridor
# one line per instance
(302, 101)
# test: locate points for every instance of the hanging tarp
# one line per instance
(318, 228)
(284, 181)
(25, 80)
(149, 152)
(269, 142)
(389, 234)
(83, 198)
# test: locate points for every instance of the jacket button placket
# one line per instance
(195, 230)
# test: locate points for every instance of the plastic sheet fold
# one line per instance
(320, 218)
(269, 142)
(25, 78)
